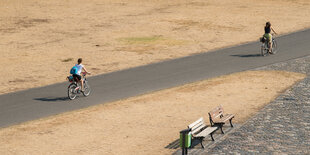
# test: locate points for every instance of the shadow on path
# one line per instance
(246, 55)
(52, 99)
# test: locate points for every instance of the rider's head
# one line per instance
(268, 24)
(79, 61)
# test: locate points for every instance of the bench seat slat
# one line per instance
(198, 128)
(196, 122)
(217, 117)
(225, 118)
(197, 125)
(205, 132)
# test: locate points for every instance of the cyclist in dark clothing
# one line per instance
(268, 36)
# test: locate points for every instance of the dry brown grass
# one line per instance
(41, 40)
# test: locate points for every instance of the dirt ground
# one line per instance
(145, 124)
(42, 39)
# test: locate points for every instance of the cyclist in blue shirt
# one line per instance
(77, 73)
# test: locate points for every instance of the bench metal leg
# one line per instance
(231, 123)
(201, 139)
(211, 134)
(221, 127)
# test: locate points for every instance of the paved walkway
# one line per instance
(281, 127)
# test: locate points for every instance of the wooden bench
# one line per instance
(218, 118)
(200, 130)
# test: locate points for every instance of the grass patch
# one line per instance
(141, 40)
(153, 40)
(67, 60)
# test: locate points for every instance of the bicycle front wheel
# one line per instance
(274, 46)
(86, 88)
(71, 91)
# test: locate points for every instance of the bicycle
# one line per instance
(75, 87)
(265, 46)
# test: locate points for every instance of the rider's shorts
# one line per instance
(268, 36)
(77, 76)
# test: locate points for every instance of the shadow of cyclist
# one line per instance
(246, 55)
(52, 99)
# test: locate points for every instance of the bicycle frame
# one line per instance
(265, 47)
(72, 80)
(75, 87)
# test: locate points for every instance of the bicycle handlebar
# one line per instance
(85, 73)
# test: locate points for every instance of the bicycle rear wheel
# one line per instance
(264, 50)
(71, 91)
(86, 88)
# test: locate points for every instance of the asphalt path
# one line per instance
(41, 102)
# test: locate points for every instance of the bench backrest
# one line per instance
(197, 125)
(216, 112)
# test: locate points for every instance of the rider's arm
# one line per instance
(86, 70)
(273, 30)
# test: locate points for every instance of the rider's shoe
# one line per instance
(269, 52)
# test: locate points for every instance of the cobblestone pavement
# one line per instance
(281, 127)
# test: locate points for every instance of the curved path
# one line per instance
(50, 100)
